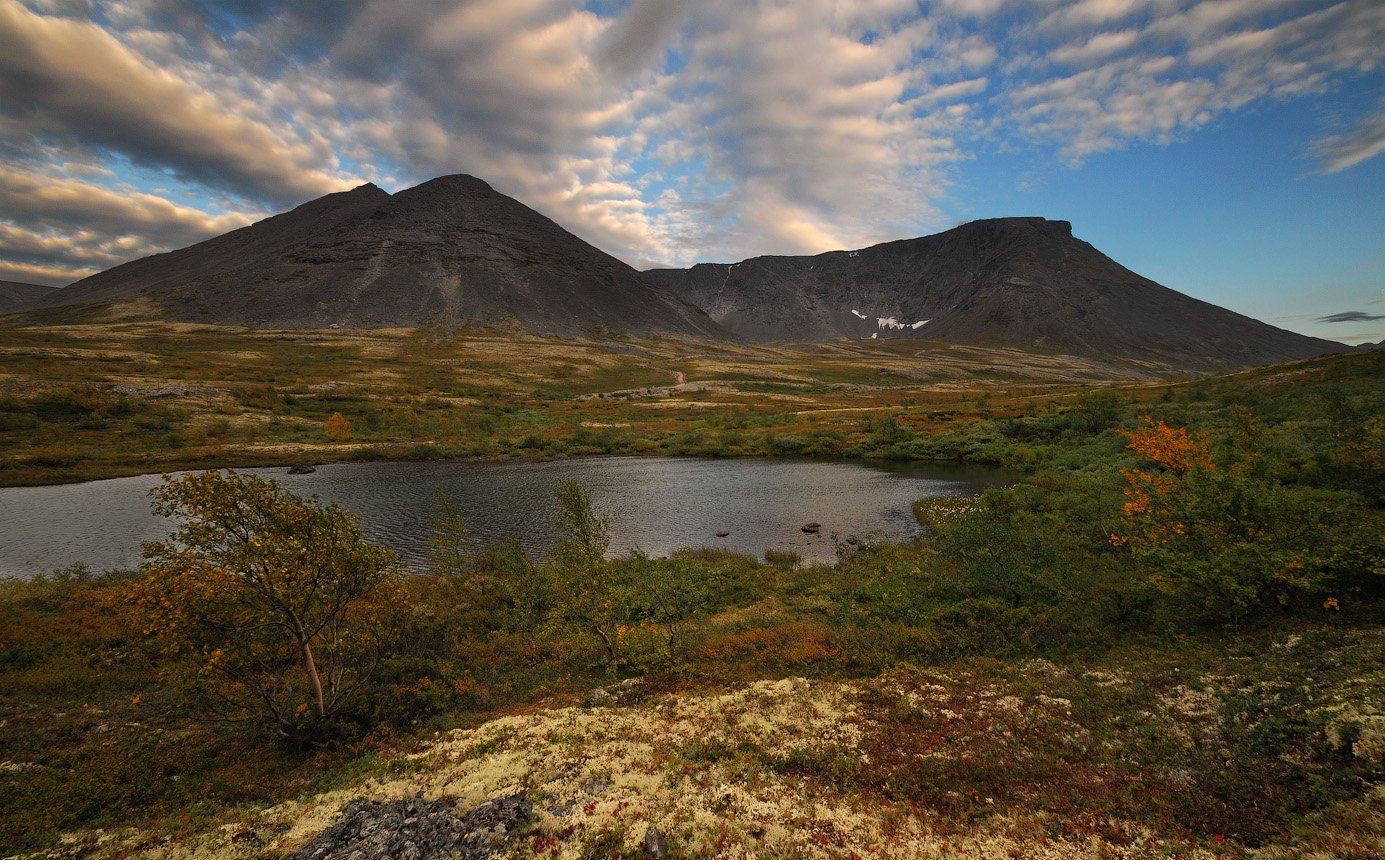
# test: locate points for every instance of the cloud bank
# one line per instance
(1351, 316)
(663, 131)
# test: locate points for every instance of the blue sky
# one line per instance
(1231, 149)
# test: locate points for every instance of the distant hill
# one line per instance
(450, 250)
(16, 294)
(1017, 282)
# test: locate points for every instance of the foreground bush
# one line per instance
(1233, 541)
(271, 606)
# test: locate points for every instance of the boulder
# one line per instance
(420, 830)
(624, 692)
(302, 469)
(654, 844)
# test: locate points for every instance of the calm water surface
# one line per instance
(654, 504)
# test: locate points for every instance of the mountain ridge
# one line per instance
(450, 250)
(1022, 282)
(453, 250)
(18, 294)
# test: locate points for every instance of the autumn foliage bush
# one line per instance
(273, 608)
(1230, 540)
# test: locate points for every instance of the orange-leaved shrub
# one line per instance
(1231, 540)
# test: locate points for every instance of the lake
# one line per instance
(654, 504)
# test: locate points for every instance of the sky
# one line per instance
(1231, 149)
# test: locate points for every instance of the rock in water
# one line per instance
(302, 469)
(419, 829)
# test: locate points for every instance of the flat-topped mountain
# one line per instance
(16, 294)
(450, 250)
(1018, 282)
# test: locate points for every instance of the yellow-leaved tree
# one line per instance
(1233, 539)
(338, 427)
(271, 606)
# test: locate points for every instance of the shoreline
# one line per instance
(204, 464)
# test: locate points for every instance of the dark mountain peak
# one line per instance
(361, 194)
(1012, 229)
(1023, 282)
(16, 294)
(452, 185)
(1018, 223)
(452, 249)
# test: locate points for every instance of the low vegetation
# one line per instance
(140, 398)
(1164, 641)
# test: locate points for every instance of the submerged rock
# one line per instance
(812, 528)
(419, 829)
(302, 469)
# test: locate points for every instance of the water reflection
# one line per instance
(655, 504)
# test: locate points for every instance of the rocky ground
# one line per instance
(912, 764)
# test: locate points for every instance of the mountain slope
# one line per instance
(449, 250)
(1019, 282)
(16, 294)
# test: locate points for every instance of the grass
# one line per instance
(137, 398)
(1015, 684)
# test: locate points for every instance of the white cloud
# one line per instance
(1344, 151)
(68, 77)
(663, 131)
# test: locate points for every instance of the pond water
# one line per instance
(654, 504)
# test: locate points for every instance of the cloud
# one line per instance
(1184, 67)
(663, 131)
(53, 201)
(640, 35)
(1098, 47)
(45, 275)
(1344, 151)
(808, 127)
(55, 229)
(1350, 316)
(66, 77)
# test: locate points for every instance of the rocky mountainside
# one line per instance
(450, 250)
(15, 295)
(1018, 282)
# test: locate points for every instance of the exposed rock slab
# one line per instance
(417, 829)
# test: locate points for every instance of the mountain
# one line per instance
(1016, 282)
(16, 294)
(450, 250)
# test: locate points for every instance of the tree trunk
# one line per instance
(310, 666)
(611, 657)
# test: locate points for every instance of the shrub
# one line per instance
(272, 606)
(1235, 542)
(583, 584)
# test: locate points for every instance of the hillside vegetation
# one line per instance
(88, 401)
(1164, 641)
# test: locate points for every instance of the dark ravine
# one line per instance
(452, 250)
(1015, 282)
